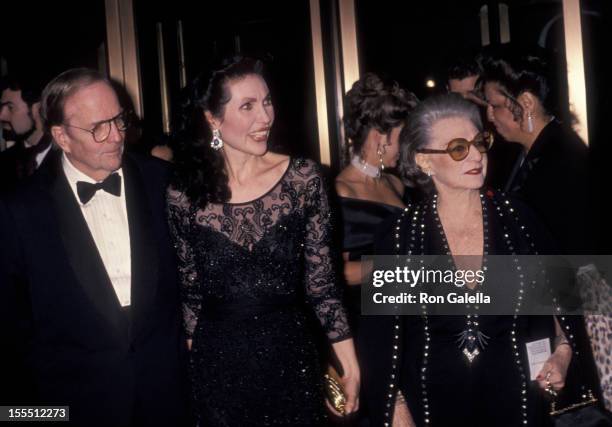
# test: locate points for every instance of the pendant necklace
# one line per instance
(471, 340)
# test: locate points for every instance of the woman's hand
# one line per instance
(189, 342)
(351, 378)
(554, 371)
(350, 384)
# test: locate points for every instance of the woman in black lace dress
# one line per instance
(252, 233)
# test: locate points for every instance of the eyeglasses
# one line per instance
(459, 148)
(102, 130)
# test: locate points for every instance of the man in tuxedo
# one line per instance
(88, 288)
(21, 123)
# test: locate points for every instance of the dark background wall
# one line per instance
(42, 39)
(277, 30)
(411, 41)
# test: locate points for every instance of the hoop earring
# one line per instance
(530, 122)
(216, 143)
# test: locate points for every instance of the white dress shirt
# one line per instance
(41, 156)
(106, 217)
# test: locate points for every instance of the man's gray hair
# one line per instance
(59, 89)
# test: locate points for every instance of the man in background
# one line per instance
(21, 123)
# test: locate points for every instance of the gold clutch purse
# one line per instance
(334, 391)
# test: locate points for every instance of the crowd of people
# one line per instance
(218, 288)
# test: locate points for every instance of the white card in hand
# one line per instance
(538, 353)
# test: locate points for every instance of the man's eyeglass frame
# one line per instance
(125, 116)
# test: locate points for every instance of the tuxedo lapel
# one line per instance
(143, 247)
(53, 156)
(83, 254)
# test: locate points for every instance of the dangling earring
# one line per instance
(380, 160)
(429, 173)
(530, 122)
(216, 143)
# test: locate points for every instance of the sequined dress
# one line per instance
(250, 274)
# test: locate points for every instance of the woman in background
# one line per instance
(376, 109)
(551, 175)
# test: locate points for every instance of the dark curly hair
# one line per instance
(31, 87)
(463, 67)
(199, 170)
(416, 133)
(375, 103)
(519, 72)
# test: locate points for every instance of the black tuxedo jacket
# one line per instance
(14, 162)
(61, 319)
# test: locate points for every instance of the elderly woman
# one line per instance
(416, 371)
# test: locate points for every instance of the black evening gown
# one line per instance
(360, 219)
(420, 355)
(250, 273)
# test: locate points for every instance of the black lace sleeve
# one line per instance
(322, 290)
(179, 221)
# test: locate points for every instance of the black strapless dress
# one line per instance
(360, 220)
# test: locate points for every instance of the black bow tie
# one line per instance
(86, 190)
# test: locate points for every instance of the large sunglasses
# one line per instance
(459, 148)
